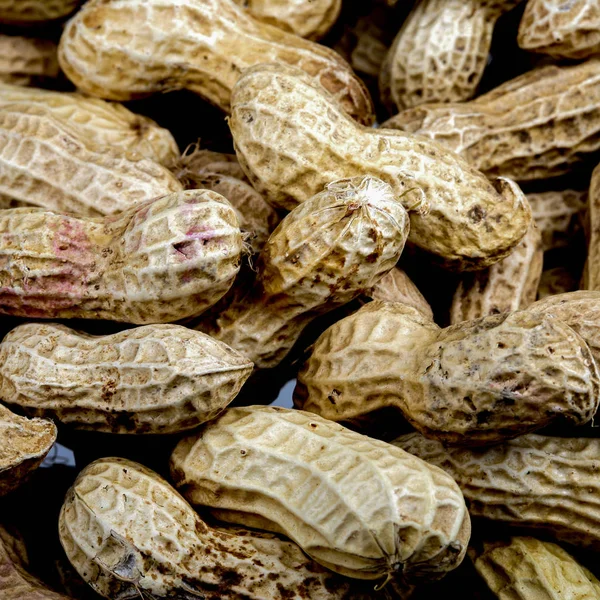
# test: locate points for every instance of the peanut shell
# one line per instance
(25, 61)
(32, 12)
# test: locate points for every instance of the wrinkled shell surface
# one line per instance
(165, 260)
(561, 29)
(528, 569)
(24, 61)
(549, 483)
(152, 379)
(126, 530)
(592, 279)
(200, 45)
(532, 127)
(343, 497)
(440, 53)
(292, 140)
(30, 12)
(196, 162)
(24, 444)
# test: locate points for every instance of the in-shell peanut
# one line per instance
(351, 502)
(34, 12)
(165, 260)
(26, 61)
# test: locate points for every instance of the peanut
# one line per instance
(24, 444)
(199, 45)
(533, 127)
(162, 261)
(31, 12)
(507, 286)
(440, 53)
(196, 162)
(152, 379)
(556, 281)
(130, 534)
(530, 569)
(323, 254)
(475, 383)
(311, 20)
(351, 503)
(292, 140)
(592, 268)
(546, 483)
(565, 30)
(103, 123)
(25, 61)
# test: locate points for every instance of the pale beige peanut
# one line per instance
(559, 215)
(440, 52)
(199, 45)
(195, 162)
(103, 123)
(24, 443)
(555, 281)
(535, 126)
(32, 12)
(151, 379)
(127, 532)
(475, 383)
(533, 481)
(507, 286)
(592, 267)
(524, 568)
(24, 60)
(165, 260)
(292, 140)
(311, 20)
(561, 29)
(47, 161)
(323, 254)
(351, 502)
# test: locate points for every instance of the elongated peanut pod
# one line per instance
(34, 12)
(323, 254)
(527, 568)
(103, 123)
(292, 140)
(152, 379)
(311, 20)
(507, 286)
(25, 61)
(563, 30)
(440, 52)
(165, 260)
(200, 45)
(535, 126)
(128, 532)
(24, 444)
(546, 483)
(475, 383)
(278, 468)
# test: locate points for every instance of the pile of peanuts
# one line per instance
(395, 204)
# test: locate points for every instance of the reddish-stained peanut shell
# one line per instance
(26, 61)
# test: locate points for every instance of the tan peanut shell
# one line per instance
(199, 45)
(507, 286)
(292, 140)
(561, 29)
(196, 162)
(352, 503)
(555, 281)
(46, 161)
(162, 261)
(440, 52)
(323, 254)
(25, 61)
(151, 379)
(524, 568)
(592, 268)
(24, 444)
(15, 582)
(547, 483)
(535, 126)
(103, 123)
(558, 215)
(311, 20)
(128, 532)
(32, 12)
(474, 383)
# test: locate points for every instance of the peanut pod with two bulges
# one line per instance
(323, 254)
(162, 261)
(350, 502)
(475, 383)
(126, 49)
(27, 60)
(291, 139)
